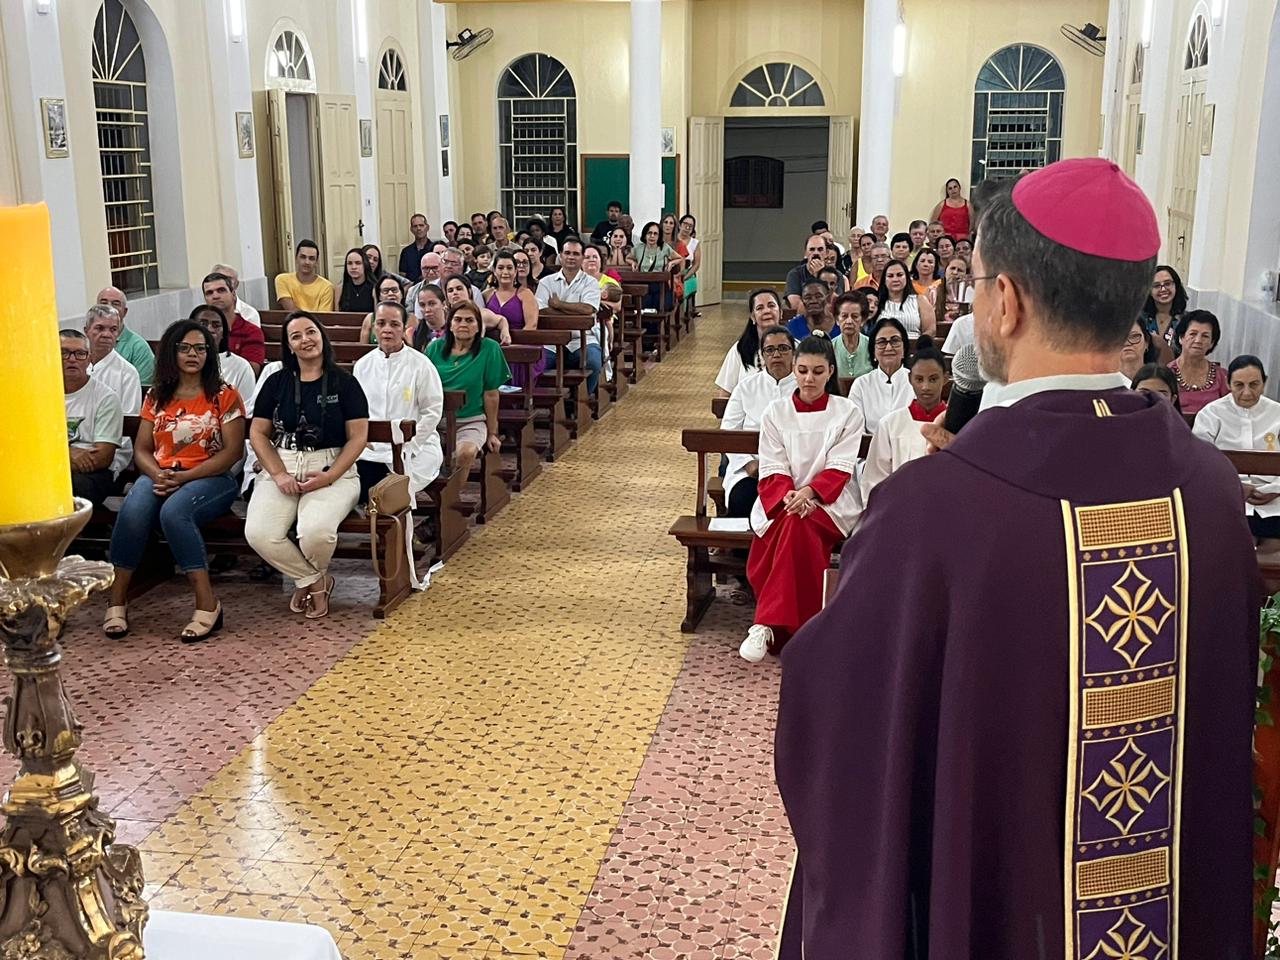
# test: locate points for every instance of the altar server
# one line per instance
(1036, 742)
(1246, 420)
(887, 387)
(745, 409)
(400, 384)
(898, 440)
(808, 454)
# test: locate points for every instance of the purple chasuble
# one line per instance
(1021, 729)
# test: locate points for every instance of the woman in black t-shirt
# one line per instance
(310, 424)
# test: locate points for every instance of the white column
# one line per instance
(879, 88)
(1114, 80)
(646, 112)
(434, 72)
(356, 75)
(232, 87)
(1159, 105)
(33, 65)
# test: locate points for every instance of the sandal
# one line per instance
(301, 600)
(114, 624)
(318, 600)
(203, 623)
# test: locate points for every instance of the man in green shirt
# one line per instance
(130, 346)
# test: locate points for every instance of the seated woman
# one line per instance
(808, 501)
(746, 406)
(468, 361)
(1246, 420)
(692, 261)
(357, 284)
(234, 370)
(897, 299)
(1141, 348)
(853, 357)
(1200, 380)
(764, 311)
(191, 435)
(887, 387)
(925, 277)
(373, 253)
(620, 255)
(900, 247)
(610, 291)
(456, 290)
(399, 383)
(387, 290)
(432, 307)
(898, 439)
(816, 320)
(517, 306)
(1153, 378)
(653, 256)
(310, 424)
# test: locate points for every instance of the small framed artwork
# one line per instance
(54, 112)
(444, 131)
(444, 163)
(366, 138)
(668, 141)
(1206, 130)
(244, 133)
(1141, 135)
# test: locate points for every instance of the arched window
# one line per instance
(1197, 54)
(124, 149)
(1017, 112)
(391, 72)
(778, 85)
(289, 63)
(537, 137)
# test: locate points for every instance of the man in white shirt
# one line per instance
(247, 311)
(961, 333)
(572, 291)
(95, 424)
(102, 328)
(400, 384)
(746, 405)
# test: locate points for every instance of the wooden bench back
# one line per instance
(327, 319)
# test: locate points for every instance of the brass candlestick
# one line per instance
(67, 890)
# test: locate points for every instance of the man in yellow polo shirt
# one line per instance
(305, 289)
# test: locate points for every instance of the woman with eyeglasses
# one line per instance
(888, 386)
(1165, 305)
(388, 289)
(1141, 348)
(1200, 380)
(235, 370)
(898, 440)
(808, 498)
(746, 406)
(191, 435)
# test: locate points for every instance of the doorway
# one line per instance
(302, 169)
(775, 187)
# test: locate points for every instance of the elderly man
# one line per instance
(411, 256)
(452, 264)
(429, 272)
(243, 338)
(102, 328)
(305, 289)
(880, 228)
(95, 422)
(246, 310)
(128, 344)
(1040, 744)
(879, 259)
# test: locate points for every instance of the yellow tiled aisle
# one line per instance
(448, 789)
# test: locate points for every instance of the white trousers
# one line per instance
(272, 515)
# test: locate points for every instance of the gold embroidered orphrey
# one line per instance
(67, 890)
(1128, 588)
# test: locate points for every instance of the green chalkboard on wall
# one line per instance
(607, 176)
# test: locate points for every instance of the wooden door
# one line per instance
(278, 125)
(840, 164)
(339, 136)
(394, 128)
(706, 201)
(1186, 173)
(1129, 152)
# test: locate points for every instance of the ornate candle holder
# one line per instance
(67, 890)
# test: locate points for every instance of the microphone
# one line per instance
(967, 384)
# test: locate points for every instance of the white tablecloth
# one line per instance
(192, 936)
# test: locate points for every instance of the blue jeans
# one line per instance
(181, 515)
(573, 361)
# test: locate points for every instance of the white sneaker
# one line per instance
(757, 643)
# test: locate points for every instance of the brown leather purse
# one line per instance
(389, 497)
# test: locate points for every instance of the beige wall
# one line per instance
(934, 128)
(591, 41)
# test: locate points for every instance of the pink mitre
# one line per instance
(1088, 204)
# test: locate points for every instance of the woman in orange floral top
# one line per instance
(190, 437)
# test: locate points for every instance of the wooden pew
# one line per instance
(516, 419)
(549, 399)
(633, 328)
(668, 329)
(327, 319)
(272, 331)
(577, 325)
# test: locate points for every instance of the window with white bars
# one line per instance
(1197, 54)
(537, 138)
(1017, 112)
(124, 150)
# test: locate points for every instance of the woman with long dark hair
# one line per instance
(518, 306)
(310, 424)
(1165, 305)
(191, 435)
(560, 226)
(953, 212)
(357, 283)
(386, 289)
(899, 300)
(764, 310)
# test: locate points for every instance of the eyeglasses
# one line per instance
(776, 351)
(197, 348)
(1163, 285)
(886, 343)
(1133, 339)
(80, 354)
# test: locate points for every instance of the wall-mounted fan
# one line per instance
(1089, 37)
(468, 42)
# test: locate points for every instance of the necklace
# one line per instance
(1209, 379)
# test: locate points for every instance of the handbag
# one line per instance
(390, 497)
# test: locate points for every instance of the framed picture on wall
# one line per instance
(668, 141)
(444, 163)
(1206, 130)
(1141, 135)
(244, 133)
(444, 131)
(54, 112)
(366, 138)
